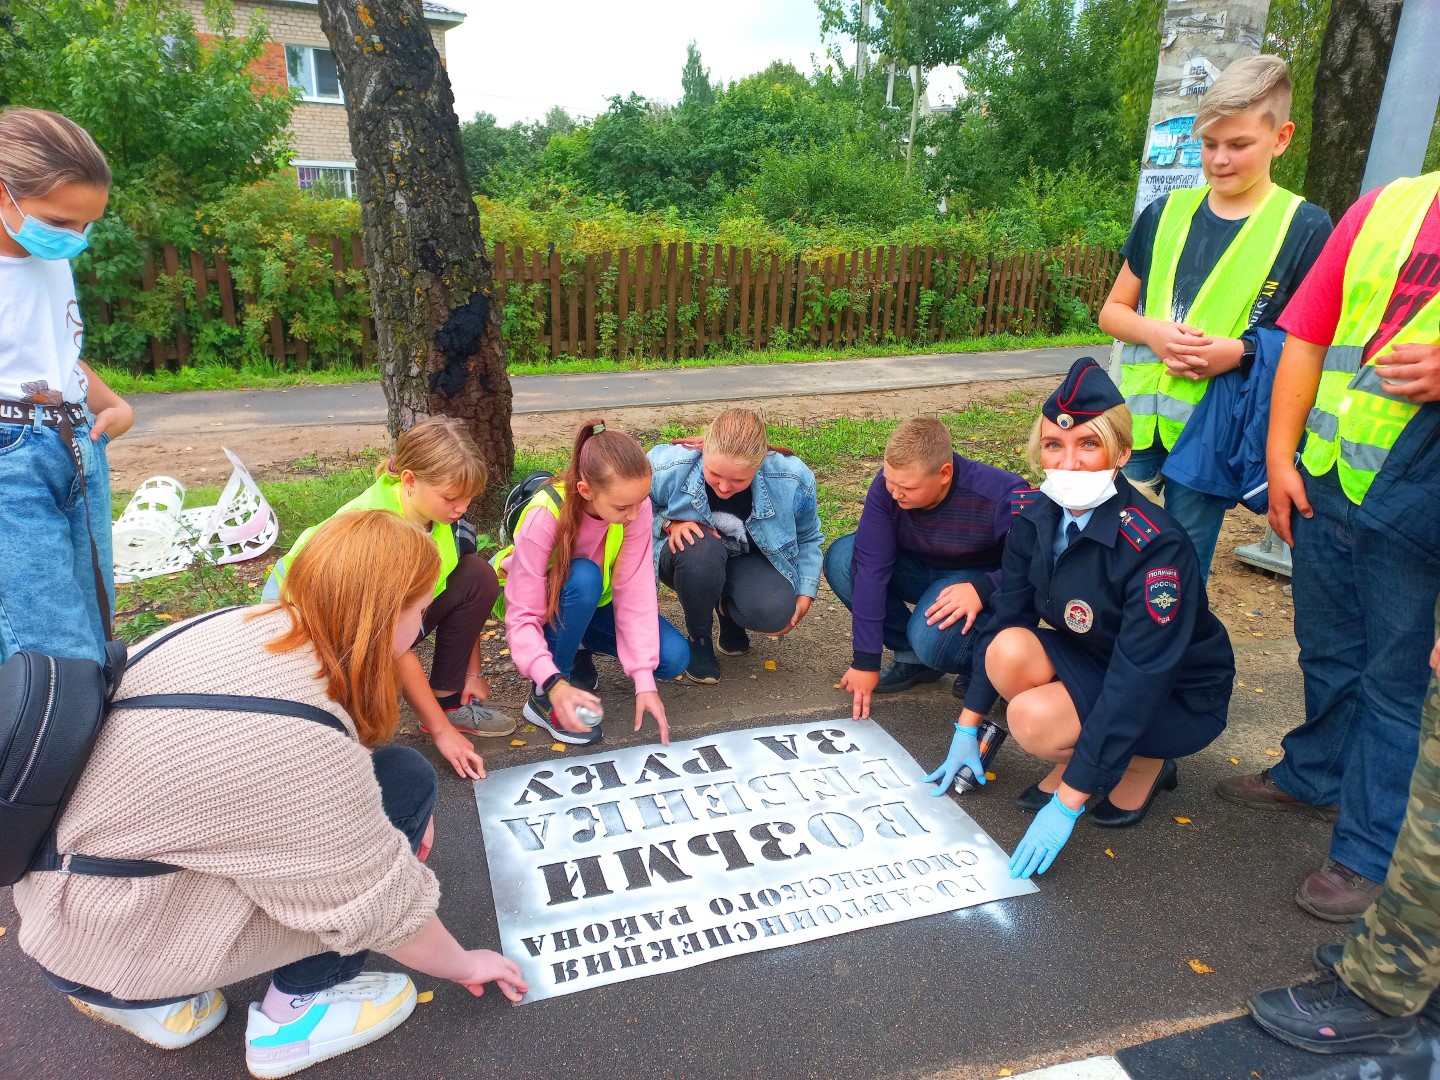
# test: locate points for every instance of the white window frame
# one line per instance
(310, 91)
(347, 167)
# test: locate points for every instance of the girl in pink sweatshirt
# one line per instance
(580, 580)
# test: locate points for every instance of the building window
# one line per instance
(312, 71)
(333, 179)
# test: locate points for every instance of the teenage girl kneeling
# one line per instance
(580, 580)
(430, 479)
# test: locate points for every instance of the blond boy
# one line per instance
(1204, 269)
(920, 568)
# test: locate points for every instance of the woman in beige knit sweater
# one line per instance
(298, 849)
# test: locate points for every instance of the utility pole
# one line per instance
(862, 44)
(1410, 98)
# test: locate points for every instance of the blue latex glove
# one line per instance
(964, 750)
(1044, 839)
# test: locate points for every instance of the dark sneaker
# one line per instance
(961, 686)
(733, 640)
(1327, 959)
(1327, 1017)
(897, 676)
(703, 667)
(1336, 893)
(1259, 792)
(540, 713)
(582, 672)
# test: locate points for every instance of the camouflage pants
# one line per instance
(1393, 959)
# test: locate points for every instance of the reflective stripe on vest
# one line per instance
(1163, 403)
(550, 497)
(1355, 421)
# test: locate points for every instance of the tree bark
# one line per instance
(437, 330)
(1349, 81)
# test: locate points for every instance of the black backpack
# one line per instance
(516, 501)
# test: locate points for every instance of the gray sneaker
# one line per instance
(476, 719)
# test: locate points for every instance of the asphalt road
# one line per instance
(1100, 954)
(364, 403)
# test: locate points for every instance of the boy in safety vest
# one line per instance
(1202, 267)
(1358, 379)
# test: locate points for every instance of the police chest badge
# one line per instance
(1079, 616)
(1162, 594)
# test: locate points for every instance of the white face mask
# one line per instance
(1078, 490)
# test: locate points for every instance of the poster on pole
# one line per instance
(1199, 40)
(649, 859)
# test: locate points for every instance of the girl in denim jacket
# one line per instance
(737, 532)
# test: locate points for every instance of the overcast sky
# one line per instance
(517, 59)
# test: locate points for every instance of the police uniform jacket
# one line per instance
(1128, 592)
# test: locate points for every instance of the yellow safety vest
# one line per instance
(1355, 421)
(550, 497)
(1161, 402)
(384, 494)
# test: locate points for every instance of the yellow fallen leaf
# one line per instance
(1259, 689)
(504, 652)
(1109, 852)
(517, 742)
(1182, 821)
(754, 676)
(838, 686)
(165, 618)
(1256, 633)
(2, 931)
(424, 995)
(1199, 968)
(1234, 761)
(1272, 753)
(1005, 1072)
(770, 665)
(558, 747)
(989, 776)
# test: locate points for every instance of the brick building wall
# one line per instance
(320, 129)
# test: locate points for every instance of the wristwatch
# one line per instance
(1247, 356)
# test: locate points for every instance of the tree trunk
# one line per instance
(437, 331)
(1349, 80)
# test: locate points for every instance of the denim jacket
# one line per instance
(784, 522)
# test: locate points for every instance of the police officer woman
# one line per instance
(1131, 669)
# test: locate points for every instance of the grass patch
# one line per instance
(261, 376)
(844, 453)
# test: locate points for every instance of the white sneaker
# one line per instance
(366, 1008)
(167, 1026)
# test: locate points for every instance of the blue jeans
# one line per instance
(1364, 619)
(915, 585)
(1199, 513)
(408, 790)
(47, 586)
(582, 621)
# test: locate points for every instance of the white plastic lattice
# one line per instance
(154, 536)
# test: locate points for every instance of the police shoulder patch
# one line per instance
(1162, 593)
(1020, 498)
(1137, 528)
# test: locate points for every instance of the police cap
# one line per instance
(1086, 393)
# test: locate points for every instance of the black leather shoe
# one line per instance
(1109, 816)
(1032, 800)
(898, 675)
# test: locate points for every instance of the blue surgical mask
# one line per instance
(43, 240)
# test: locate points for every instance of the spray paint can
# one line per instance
(589, 717)
(989, 737)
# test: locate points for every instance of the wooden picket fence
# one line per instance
(682, 300)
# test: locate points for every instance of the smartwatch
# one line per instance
(1247, 357)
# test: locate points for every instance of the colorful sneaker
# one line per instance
(1327, 1017)
(539, 712)
(476, 718)
(167, 1026)
(350, 1015)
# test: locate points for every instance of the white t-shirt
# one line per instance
(40, 332)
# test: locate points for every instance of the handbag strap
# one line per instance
(72, 862)
(67, 432)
